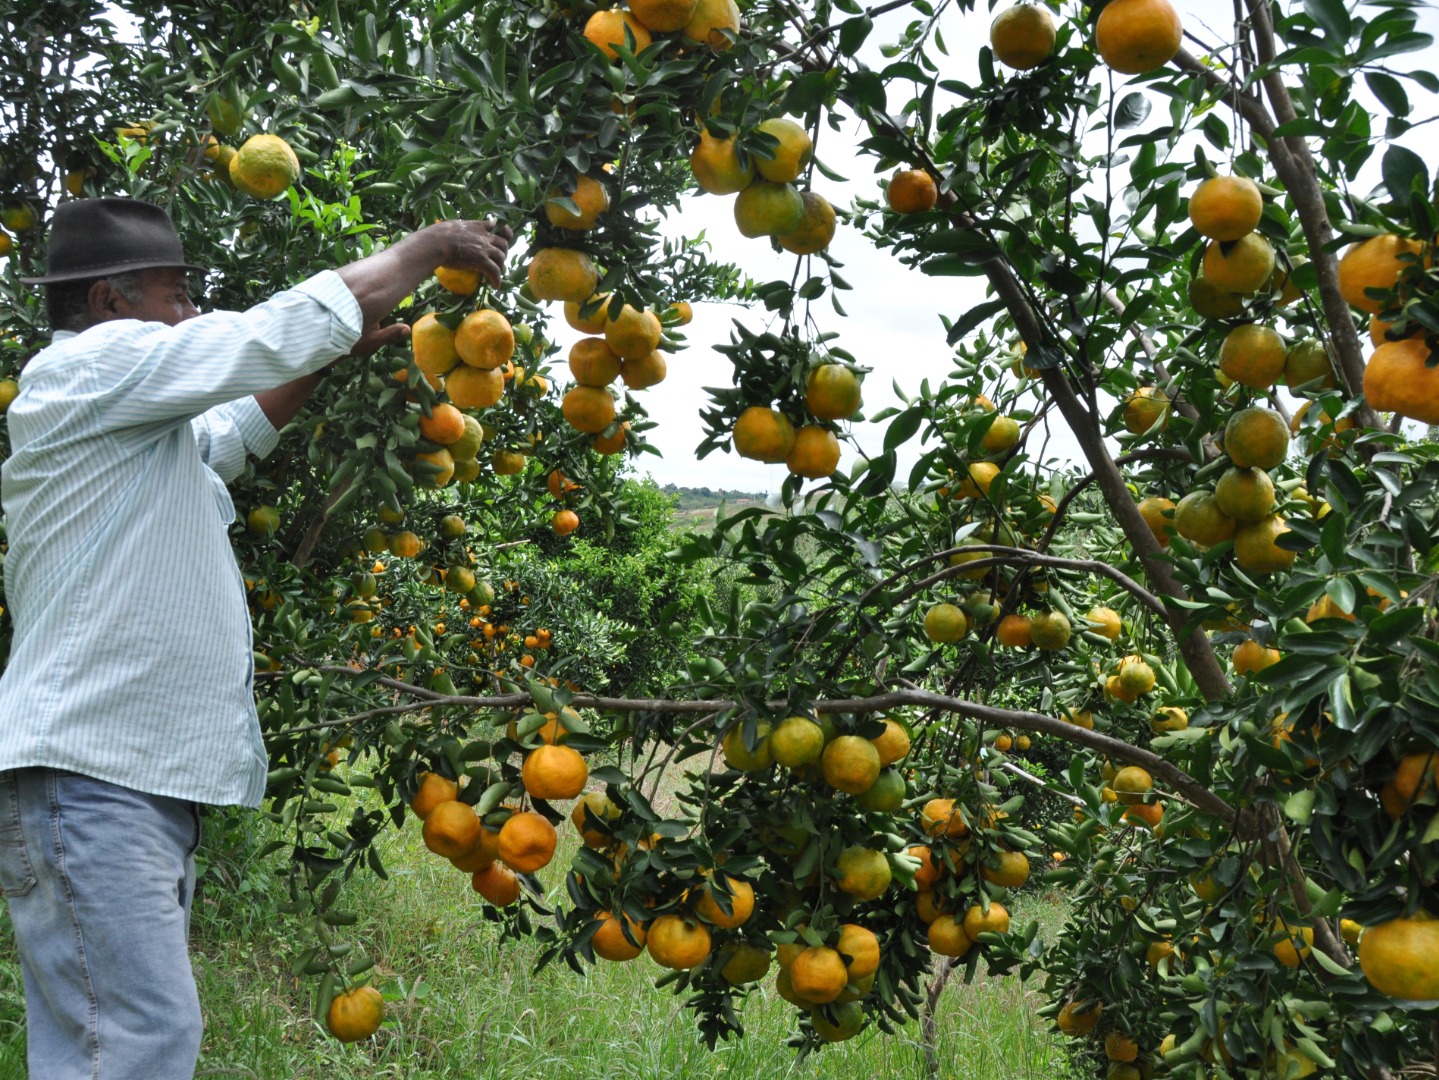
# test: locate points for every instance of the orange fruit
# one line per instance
(815, 453)
(980, 479)
(1079, 1017)
(1022, 37)
(1135, 36)
(740, 897)
(474, 388)
(850, 764)
(994, 921)
(355, 1014)
(832, 392)
(1305, 361)
(633, 334)
(1400, 958)
(818, 974)
(1286, 951)
(1398, 379)
(1105, 622)
(711, 22)
(716, 166)
(590, 196)
(1014, 631)
(743, 963)
(1169, 718)
(1009, 869)
(929, 871)
(1158, 514)
(1243, 266)
(588, 408)
(444, 425)
(405, 545)
(947, 937)
(941, 817)
(1255, 549)
(591, 808)
(459, 281)
(911, 191)
(527, 842)
(594, 322)
(790, 156)
(444, 464)
(1120, 1047)
(1256, 438)
(554, 772)
(1253, 356)
(1245, 495)
(893, 744)
(849, 1019)
(1132, 784)
(740, 757)
(1049, 630)
(451, 829)
(1144, 408)
(945, 624)
(645, 372)
(929, 907)
(611, 444)
(766, 208)
(507, 462)
(1250, 656)
(1379, 330)
(484, 339)
(564, 522)
(615, 26)
(433, 790)
(859, 948)
(562, 274)
(433, 344)
(610, 942)
(1226, 207)
(663, 16)
(1211, 301)
(796, 741)
(1375, 263)
(763, 434)
(497, 883)
(1414, 779)
(862, 872)
(816, 226)
(264, 166)
(678, 943)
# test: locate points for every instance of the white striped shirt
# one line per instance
(131, 659)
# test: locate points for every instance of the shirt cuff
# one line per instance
(258, 434)
(329, 290)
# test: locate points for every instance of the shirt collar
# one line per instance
(61, 335)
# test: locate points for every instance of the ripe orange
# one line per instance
(678, 943)
(1401, 957)
(444, 470)
(994, 921)
(1158, 514)
(1414, 779)
(459, 281)
(911, 191)
(594, 322)
(554, 772)
(451, 829)
(1009, 869)
(588, 408)
(743, 963)
(1253, 356)
(947, 937)
(1398, 379)
(766, 208)
(1105, 622)
(850, 764)
(1375, 263)
(633, 334)
(444, 425)
(1132, 784)
(1135, 36)
(815, 453)
(1049, 630)
(645, 372)
(562, 274)
(945, 624)
(1243, 267)
(663, 16)
(893, 744)
(497, 883)
(433, 790)
(1144, 408)
(716, 166)
(527, 842)
(832, 392)
(1226, 207)
(593, 363)
(796, 741)
(264, 166)
(1169, 718)
(474, 388)
(484, 339)
(1250, 656)
(1120, 1047)
(608, 28)
(1256, 438)
(610, 943)
(941, 817)
(611, 444)
(711, 22)
(790, 156)
(1211, 301)
(740, 757)
(859, 948)
(818, 974)
(862, 872)
(355, 1014)
(405, 545)
(740, 898)
(1244, 494)
(1022, 37)
(592, 808)
(1014, 631)
(1079, 1017)
(1255, 549)
(1307, 360)
(507, 462)
(816, 226)
(763, 434)
(590, 196)
(433, 344)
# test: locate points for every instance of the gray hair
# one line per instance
(68, 302)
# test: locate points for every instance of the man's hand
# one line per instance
(476, 245)
(376, 338)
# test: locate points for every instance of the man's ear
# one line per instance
(106, 301)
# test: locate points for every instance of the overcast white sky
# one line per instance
(893, 324)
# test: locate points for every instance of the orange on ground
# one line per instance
(678, 943)
(554, 772)
(527, 842)
(484, 339)
(1253, 356)
(1375, 264)
(1226, 207)
(1135, 36)
(355, 1014)
(451, 829)
(1243, 267)
(588, 408)
(911, 191)
(850, 764)
(763, 434)
(1022, 36)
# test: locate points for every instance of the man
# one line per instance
(127, 700)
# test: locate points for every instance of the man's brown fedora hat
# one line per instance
(92, 238)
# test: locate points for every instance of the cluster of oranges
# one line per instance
(1131, 36)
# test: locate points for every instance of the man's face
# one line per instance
(166, 299)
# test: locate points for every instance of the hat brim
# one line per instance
(92, 273)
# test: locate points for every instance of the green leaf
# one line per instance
(1389, 91)
(1133, 110)
(1300, 806)
(1333, 18)
(1404, 170)
(903, 427)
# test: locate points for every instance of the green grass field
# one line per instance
(466, 1005)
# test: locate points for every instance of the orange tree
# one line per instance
(1228, 624)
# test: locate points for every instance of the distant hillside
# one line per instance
(696, 506)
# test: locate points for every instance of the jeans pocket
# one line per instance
(16, 876)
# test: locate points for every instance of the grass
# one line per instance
(466, 1005)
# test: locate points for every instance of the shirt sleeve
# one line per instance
(226, 433)
(149, 374)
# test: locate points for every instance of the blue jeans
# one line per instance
(98, 879)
